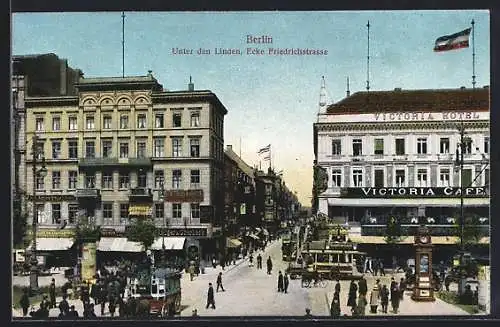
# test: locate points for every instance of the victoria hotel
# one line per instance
(394, 153)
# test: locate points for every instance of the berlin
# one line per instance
(149, 182)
